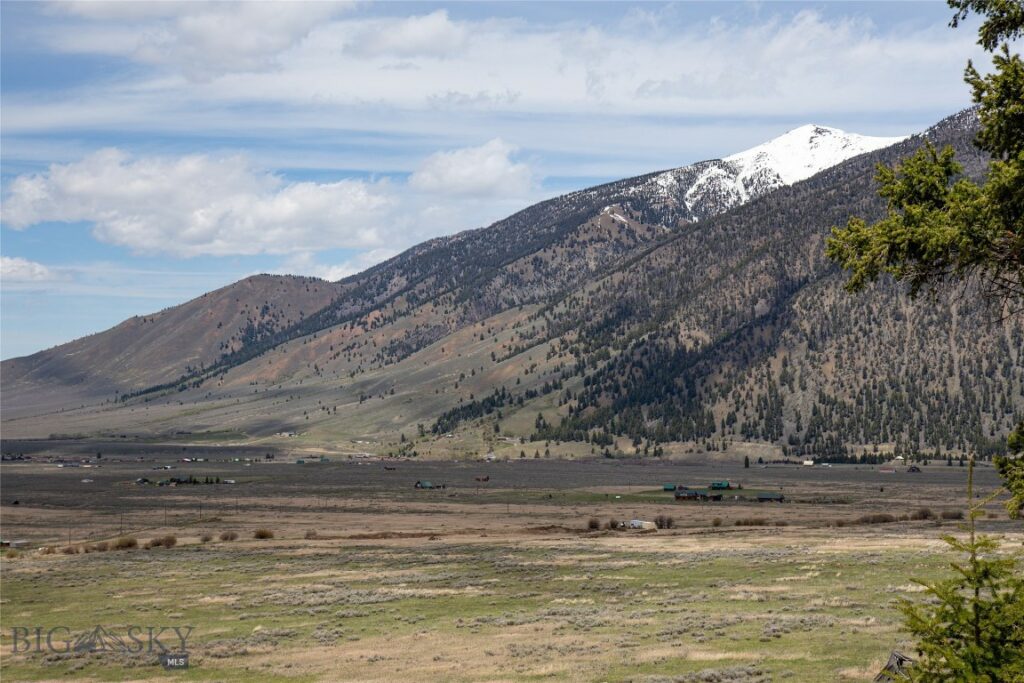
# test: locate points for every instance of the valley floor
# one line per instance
(369, 579)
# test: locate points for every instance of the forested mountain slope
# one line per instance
(534, 253)
(652, 310)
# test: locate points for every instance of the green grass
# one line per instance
(718, 600)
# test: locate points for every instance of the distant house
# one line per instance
(808, 463)
(696, 494)
(770, 497)
(423, 485)
(688, 494)
(723, 485)
(668, 487)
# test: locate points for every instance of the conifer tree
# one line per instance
(941, 228)
(971, 626)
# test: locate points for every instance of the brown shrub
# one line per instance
(752, 521)
(664, 522)
(781, 522)
(47, 550)
(876, 518)
(921, 514)
(126, 542)
(167, 541)
(312, 534)
(206, 538)
(717, 521)
(70, 550)
(229, 536)
(263, 534)
(593, 524)
(952, 514)
(612, 524)
(101, 547)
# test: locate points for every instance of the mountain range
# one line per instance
(685, 310)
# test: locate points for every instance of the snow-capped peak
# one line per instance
(805, 151)
(707, 188)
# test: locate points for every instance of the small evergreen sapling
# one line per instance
(970, 627)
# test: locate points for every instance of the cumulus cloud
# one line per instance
(487, 170)
(197, 204)
(14, 269)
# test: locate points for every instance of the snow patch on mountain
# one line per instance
(708, 188)
(805, 151)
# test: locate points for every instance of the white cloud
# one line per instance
(197, 204)
(220, 206)
(346, 66)
(14, 269)
(585, 99)
(202, 39)
(430, 35)
(306, 264)
(486, 170)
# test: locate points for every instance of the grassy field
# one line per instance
(372, 582)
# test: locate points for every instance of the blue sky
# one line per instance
(154, 151)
